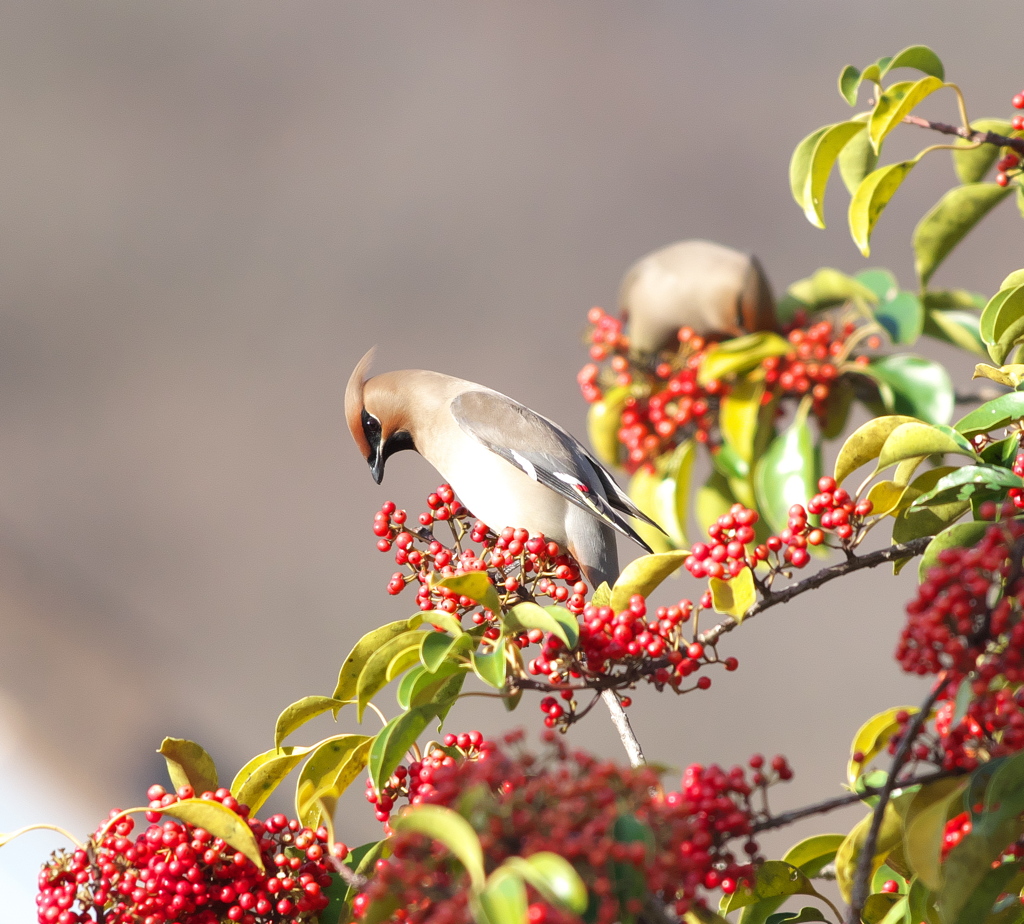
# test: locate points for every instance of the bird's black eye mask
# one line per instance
(371, 429)
(399, 440)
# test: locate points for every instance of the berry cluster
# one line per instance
(177, 872)
(416, 782)
(514, 560)
(968, 621)
(1016, 495)
(589, 812)
(1008, 166)
(671, 403)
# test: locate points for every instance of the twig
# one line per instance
(859, 893)
(820, 808)
(350, 877)
(856, 563)
(1002, 141)
(621, 722)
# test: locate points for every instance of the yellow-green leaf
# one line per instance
(374, 676)
(919, 439)
(872, 738)
(603, 421)
(857, 159)
(491, 667)
(557, 620)
(672, 493)
(220, 822)
(643, 489)
(897, 101)
(502, 900)
(956, 213)
(865, 443)
(738, 416)
(925, 827)
(849, 84)
(735, 596)
(885, 497)
(828, 287)
(971, 161)
(823, 158)
(871, 198)
(740, 354)
(299, 713)
(348, 677)
(476, 585)
(1011, 376)
(450, 829)
(255, 782)
(919, 57)
(889, 836)
(320, 775)
(553, 877)
(800, 166)
(643, 575)
(188, 764)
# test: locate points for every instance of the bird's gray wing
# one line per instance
(549, 455)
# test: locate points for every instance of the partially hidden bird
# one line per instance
(509, 465)
(708, 287)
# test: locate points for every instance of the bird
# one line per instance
(510, 466)
(711, 288)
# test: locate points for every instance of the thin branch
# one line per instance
(621, 722)
(829, 805)
(861, 879)
(856, 563)
(348, 875)
(1002, 141)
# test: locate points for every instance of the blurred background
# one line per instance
(208, 212)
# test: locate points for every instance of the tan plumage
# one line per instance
(706, 286)
(509, 465)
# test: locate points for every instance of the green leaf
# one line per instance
(394, 739)
(902, 317)
(925, 828)
(300, 712)
(774, 879)
(740, 354)
(348, 677)
(916, 522)
(857, 159)
(554, 619)
(502, 900)
(437, 647)
(477, 586)
(920, 57)
(787, 473)
(188, 764)
(603, 421)
(813, 854)
(416, 686)
(993, 308)
(643, 575)
(979, 906)
(800, 166)
(880, 281)
(491, 667)
(972, 163)
(442, 620)
(440, 689)
(999, 412)
(898, 100)
(375, 673)
(450, 829)
(879, 904)
(960, 535)
(553, 877)
(823, 157)
(255, 782)
(714, 498)
(739, 412)
(865, 443)
(734, 597)
(961, 328)
(872, 738)
(828, 287)
(921, 387)
(672, 493)
(871, 198)
(804, 915)
(848, 854)
(320, 775)
(956, 213)
(968, 482)
(849, 84)
(602, 596)
(643, 489)
(915, 439)
(220, 822)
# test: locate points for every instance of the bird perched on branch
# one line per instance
(509, 465)
(708, 287)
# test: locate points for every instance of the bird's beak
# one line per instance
(377, 465)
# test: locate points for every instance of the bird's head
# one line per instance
(377, 417)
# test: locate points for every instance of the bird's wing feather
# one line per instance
(549, 455)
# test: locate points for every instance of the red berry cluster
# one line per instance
(514, 559)
(957, 828)
(416, 781)
(968, 620)
(1008, 165)
(177, 872)
(1016, 495)
(589, 812)
(727, 554)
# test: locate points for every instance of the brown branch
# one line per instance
(626, 734)
(855, 563)
(862, 876)
(1002, 141)
(829, 805)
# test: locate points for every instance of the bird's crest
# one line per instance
(354, 402)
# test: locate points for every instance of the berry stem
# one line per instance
(621, 722)
(861, 878)
(1002, 141)
(7, 838)
(856, 563)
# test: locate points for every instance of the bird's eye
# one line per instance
(371, 426)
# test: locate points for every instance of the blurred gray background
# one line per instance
(209, 211)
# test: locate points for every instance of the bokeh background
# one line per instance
(209, 211)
